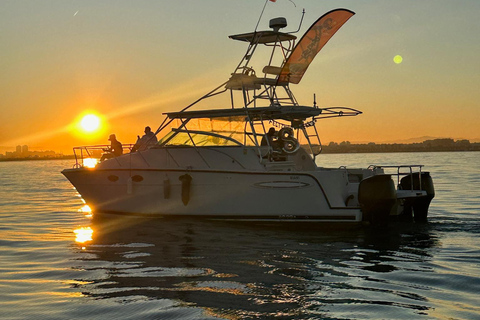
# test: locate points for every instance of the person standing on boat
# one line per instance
(115, 150)
(147, 141)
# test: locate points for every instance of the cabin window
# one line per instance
(197, 138)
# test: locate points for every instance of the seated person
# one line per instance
(147, 141)
(271, 139)
(268, 139)
(115, 150)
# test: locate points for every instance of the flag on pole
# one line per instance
(311, 43)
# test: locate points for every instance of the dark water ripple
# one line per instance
(194, 269)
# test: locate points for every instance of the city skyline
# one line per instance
(23, 152)
(131, 62)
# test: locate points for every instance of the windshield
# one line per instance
(222, 132)
(196, 138)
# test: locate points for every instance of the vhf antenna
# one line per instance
(301, 20)
(265, 5)
(261, 14)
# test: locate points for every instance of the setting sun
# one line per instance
(90, 123)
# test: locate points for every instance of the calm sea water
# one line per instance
(56, 262)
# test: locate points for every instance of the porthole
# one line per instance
(137, 178)
(112, 178)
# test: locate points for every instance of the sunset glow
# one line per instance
(90, 126)
(90, 123)
(109, 81)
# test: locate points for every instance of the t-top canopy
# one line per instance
(288, 113)
(263, 37)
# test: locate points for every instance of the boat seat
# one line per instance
(272, 70)
(241, 81)
(266, 81)
(269, 81)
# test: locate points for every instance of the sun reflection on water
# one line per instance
(86, 210)
(90, 162)
(83, 235)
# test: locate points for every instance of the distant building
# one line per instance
(23, 152)
(438, 143)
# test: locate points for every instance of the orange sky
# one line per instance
(132, 61)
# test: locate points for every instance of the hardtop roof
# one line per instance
(288, 113)
(267, 36)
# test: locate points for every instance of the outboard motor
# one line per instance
(419, 205)
(377, 196)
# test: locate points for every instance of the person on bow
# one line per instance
(147, 141)
(115, 149)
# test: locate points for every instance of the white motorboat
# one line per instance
(223, 163)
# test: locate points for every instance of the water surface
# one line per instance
(57, 262)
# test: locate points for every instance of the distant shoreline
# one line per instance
(326, 151)
(436, 145)
(70, 157)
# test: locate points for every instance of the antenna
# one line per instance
(265, 5)
(315, 100)
(301, 20)
(261, 14)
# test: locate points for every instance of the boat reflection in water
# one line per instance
(249, 270)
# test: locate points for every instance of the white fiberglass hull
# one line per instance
(251, 195)
(239, 183)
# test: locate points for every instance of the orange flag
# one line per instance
(311, 43)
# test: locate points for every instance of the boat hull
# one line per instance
(206, 193)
